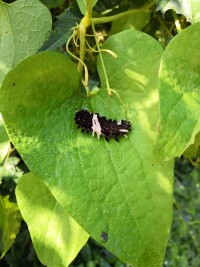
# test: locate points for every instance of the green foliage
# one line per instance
(183, 241)
(135, 21)
(24, 26)
(9, 169)
(54, 227)
(193, 150)
(9, 224)
(118, 193)
(63, 29)
(183, 245)
(4, 142)
(53, 3)
(50, 95)
(179, 95)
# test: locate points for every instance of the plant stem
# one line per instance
(145, 8)
(164, 26)
(177, 23)
(83, 64)
(109, 89)
(101, 59)
(84, 24)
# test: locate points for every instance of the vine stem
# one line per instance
(101, 59)
(144, 8)
(86, 21)
(177, 23)
(164, 26)
(109, 89)
(84, 24)
(83, 64)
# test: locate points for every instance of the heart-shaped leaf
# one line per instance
(24, 25)
(179, 86)
(57, 238)
(111, 189)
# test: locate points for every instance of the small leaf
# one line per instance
(63, 29)
(10, 220)
(24, 25)
(110, 189)
(179, 86)
(189, 8)
(56, 237)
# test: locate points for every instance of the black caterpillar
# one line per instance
(93, 122)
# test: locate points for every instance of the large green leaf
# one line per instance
(24, 25)
(111, 189)
(10, 219)
(179, 86)
(57, 238)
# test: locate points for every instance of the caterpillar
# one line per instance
(93, 122)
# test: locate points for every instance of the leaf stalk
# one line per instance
(84, 24)
(107, 19)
